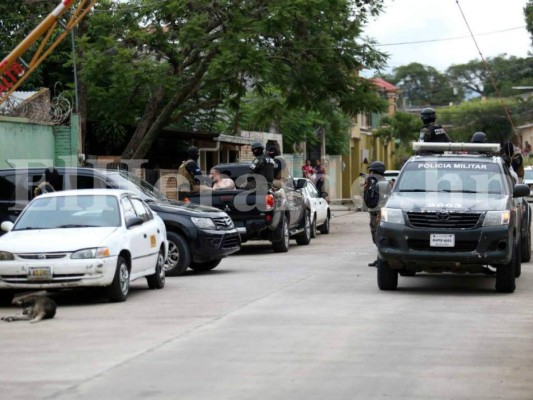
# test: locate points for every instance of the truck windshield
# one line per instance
(452, 176)
(128, 181)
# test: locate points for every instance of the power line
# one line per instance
(449, 38)
(489, 72)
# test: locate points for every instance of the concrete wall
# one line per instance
(23, 143)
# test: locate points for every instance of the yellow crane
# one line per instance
(14, 70)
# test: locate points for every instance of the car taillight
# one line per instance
(269, 202)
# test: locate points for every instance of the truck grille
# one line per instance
(443, 219)
(223, 223)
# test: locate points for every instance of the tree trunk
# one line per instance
(149, 115)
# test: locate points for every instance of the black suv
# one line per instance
(199, 236)
(458, 212)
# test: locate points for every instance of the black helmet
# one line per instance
(192, 152)
(428, 114)
(257, 145)
(479, 137)
(377, 167)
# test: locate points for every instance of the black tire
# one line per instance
(282, 245)
(518, 263)
(304, 238)
(120, 287)
(6, 297)
(324, 229)
(179, 255)
(505, 275)
(313, 228)
(526, 247)
(157, 279)
(206, 266)
(407, 272)
(387, 277)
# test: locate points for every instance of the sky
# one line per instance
(498, 27)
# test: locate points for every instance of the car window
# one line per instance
(70, 212)
(129, 210)
(141, 210)
(312, 190)
(86, 182)
(529, 174)
(450, 176)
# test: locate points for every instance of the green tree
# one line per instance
(422, 85)
(486, 116)
(401, 128)
(177, 62)
(474, 78)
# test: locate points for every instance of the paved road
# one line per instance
(308, 324)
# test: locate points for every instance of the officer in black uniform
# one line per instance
(262, 165)
(431, 132)
(281, 172)
(190, 169)
(377, 172)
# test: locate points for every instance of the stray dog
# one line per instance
(36, 308)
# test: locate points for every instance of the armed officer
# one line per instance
(262, 167)
(432, 132)
(190, 170)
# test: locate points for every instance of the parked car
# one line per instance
(199, 237)
(83, 238)
(318, 206)
(528, 180)
(391, 174)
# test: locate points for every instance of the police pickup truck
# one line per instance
(277, 214)
(454, 208)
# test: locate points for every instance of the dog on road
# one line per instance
(35, 309)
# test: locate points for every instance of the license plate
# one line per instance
(442, 240)
(39, 274)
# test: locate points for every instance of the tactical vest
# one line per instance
(182, 170)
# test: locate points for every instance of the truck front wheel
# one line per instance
(505, 275)
(387, 277)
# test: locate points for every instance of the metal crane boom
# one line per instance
(14, 70)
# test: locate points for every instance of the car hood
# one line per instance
(54, 240)
(191, 209)
(411, 201)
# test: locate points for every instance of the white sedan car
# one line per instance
(318, 206)
(88, 238)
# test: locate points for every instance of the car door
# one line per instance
(151, 235)
(138, 241)
(319, 201)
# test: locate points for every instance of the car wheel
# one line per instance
(282, 245)
(324, 229)
(120, 287)
(206, 266)
(157, 279)
(407, 272)
(6, 297)
(526, 247)
(505, 275)
(313, 228)
(387, 277)
(179, 255)
(305, 237)
(518, 263)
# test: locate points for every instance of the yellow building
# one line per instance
(364, 146)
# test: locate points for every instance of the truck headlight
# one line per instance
(495, 218)
(96, 252)
(392, 215)
(203, 223)
(6, 256)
